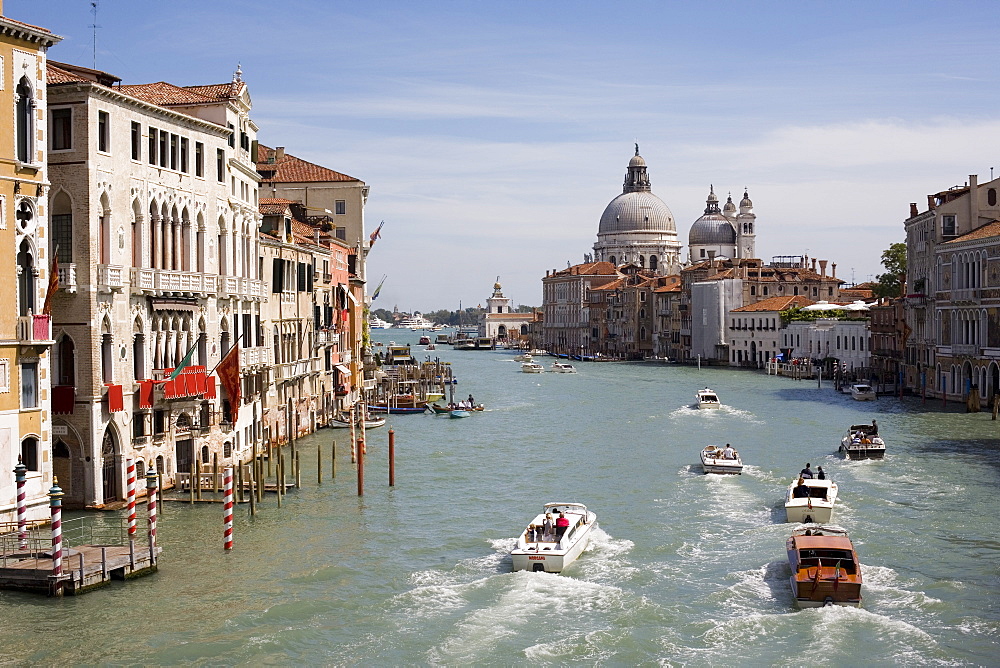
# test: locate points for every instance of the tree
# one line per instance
(890, 284)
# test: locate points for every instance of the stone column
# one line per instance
(156, 253)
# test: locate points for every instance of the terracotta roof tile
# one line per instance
(26, 25)
(984, 232)
(272, 209)
(56, 75)
(776, 304)
(165, 94)
(588, 269)
(223, 91)
(276, 200)
(290, 169)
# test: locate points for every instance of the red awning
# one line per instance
(116, 403)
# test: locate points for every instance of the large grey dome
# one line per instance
(637, 211)
(712, 229)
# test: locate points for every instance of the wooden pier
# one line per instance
(93, 555)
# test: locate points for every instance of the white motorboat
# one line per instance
(708, 399)
(863, 442)
(416, 321)
(714, 460)
(552, 551)
(524, 357)
(562, 367)
(532, 367)
(863, 392)
(344, 422)
(375, 322)
(814, 504)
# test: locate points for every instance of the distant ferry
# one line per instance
(416, 321)
(375, 322)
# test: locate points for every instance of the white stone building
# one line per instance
(155, 217)
(844, 340)
(755, 330)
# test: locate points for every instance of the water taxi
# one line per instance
(714, 460)
(708, 399)
(562, 367)
(532, 367)
(863, 442)
(540, 548)
(863, 392)
(813, 504)
(825, 567)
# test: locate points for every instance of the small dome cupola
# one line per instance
(636, 178)
(745, 203)
(729, 210)
(712, 202)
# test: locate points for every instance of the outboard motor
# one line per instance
(808, 519)
(537, 568)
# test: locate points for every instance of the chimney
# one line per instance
(833, 270)
(913, 210)
(279, 154)
(973, 202)
(930, 202)
(822, 267)
(814, 265)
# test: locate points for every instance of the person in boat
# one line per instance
(562, 523)
(729, 453)
(806, 472)
(874, 428)
(800, 491)
(547, 526)
(531, 533)
(472, 402)
(820, 473)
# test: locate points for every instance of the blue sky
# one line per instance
(494, 134)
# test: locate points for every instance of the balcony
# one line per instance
(254, 357)
(35, 330)
(969, 295)
(245, 288)
(292, 370)
(964, 350)
(110, 278)
(67, 277)
(327, 337)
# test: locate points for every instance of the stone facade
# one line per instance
(155, 195)
(25, 329)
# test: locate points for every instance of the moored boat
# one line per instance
(544, 546)
(863, 392)
(825, 567)
(344, 422)
(715, 459)
(863, 442)
(532, 367)
(707, 399)
(814, 503)
(562, 367)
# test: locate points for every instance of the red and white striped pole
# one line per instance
(130, 476)
(227, 508)
(20, 476)
(55, 505)
(151, 506)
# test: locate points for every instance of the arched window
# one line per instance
(652, 262)
(205, 458)
(25, 279)
(29, 453)
(25, 112)
(991, 196)
(612, 260)
(227, 450)
(66, 362)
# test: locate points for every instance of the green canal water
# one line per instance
(686, 569)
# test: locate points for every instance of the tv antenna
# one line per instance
(94, 26)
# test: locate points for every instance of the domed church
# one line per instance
(637, 227)
(723, 233)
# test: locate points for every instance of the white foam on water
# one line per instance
(832, 628)
(530, 603)
(605, 558)
(885, 588)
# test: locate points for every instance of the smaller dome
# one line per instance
(637, 161)
(729, 207)
(746, 199)
(712, 230)
(496, 286)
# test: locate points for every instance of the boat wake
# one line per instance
(886, 589)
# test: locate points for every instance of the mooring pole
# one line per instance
(227, 508)
(20, 477)
(151, 509)
(361, 470)
(130, 495)
(55, 506)
(252, 474)
(319, 464)
(392, 457)
(333, 460)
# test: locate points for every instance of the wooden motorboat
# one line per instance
(539, 550)
(825, 567)
(863, 392)
(344, 422)
(713, 460)
(445, 410)
(863, 442)
(816, 506)
(707, 399)
(400, 404)
(532, 367)
(562, 367)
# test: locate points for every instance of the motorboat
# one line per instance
(814, 506)
(714, 460)
(825, 567)
(562, 367)
(708, 399)
(532, 367)
(343, 421)
(431, 346)
(863, 442)
(442, 339)
(416, 321)
(523, 357)
(863, 392)
(400, 404)
(438, 409)
(375, 322)
(459, 413)
(424, 340)
(549, 551)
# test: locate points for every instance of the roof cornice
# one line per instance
(22, 31)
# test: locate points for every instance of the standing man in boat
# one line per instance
(562, 523)
(729, 453)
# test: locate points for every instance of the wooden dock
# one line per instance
(84, 567)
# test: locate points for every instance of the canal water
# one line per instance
(685, 569)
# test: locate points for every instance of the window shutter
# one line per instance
(277, 274)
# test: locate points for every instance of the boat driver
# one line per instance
(800, 491)
(729, 453)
